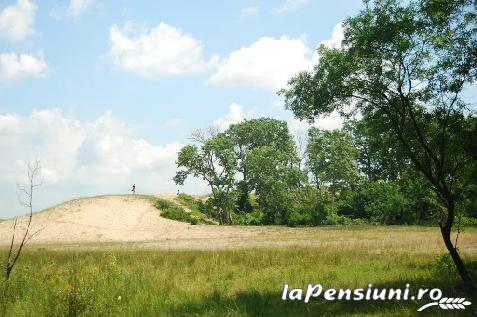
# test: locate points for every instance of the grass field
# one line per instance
(127, 281)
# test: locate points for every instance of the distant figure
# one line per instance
(134, 189)
(178, 192)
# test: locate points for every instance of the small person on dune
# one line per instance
(133, 189)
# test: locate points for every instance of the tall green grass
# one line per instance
(245, 282)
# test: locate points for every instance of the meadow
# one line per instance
(133, 280)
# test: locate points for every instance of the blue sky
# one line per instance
(104, 93)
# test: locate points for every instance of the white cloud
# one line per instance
(330, 122)
(16, 67)
(161, 51)
(250, 11)
(103, 150)
(267, 63)
(72, 11)
(16, 21)
(235, 114)
(337, 37)
(290, 6)
(77, 7)
(80, 158)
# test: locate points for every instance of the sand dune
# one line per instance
(119, 219)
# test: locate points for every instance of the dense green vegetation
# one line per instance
(174, 211)
(241, 282)
(349, 176)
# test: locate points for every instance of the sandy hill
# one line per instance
(119, 219)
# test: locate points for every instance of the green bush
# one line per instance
(201, 209)
(335, 219)
(194, 220)
(465, 221)
(173, 211)
(378, 202)
(164, 204)
(358, 221)
(176, 213)
(443, 264)
(253, 218)
(311, 207)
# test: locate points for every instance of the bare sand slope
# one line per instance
(116, 219)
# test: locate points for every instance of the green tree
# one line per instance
(251, 134)
(405, 65)
(380, 202)
(215, 162)
(378, 155)
(273, 175)
(331, 159)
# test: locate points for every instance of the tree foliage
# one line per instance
(331, 158)
(253, 134)
(215, 162)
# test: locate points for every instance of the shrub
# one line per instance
(358, 221)
(335, 219)
(443, 264)
(194, 220)
(253, 218)
(201, 209)
(465, 222)
(379, 202)
(164, 204)
(176, 213)
(311, 207)
(173, 211)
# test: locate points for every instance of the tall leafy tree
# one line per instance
(252, 134)
(405, 64)
(273, 176)
(378, 155)
(331, 158)
(215, 162)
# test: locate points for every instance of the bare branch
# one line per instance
(203, 135)
(33, 172)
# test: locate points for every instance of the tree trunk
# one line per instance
(225, 217)
(446, 235)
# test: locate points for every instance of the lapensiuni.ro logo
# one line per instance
(373, 294)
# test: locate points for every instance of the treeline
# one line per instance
(258, 174)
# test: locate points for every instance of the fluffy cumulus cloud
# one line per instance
(270, 62)
(161, 51)
(337, 37)
(267, 63)
(80, 158)
(290, 6)
(16, 20)
(234, 115)
(15, 66)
